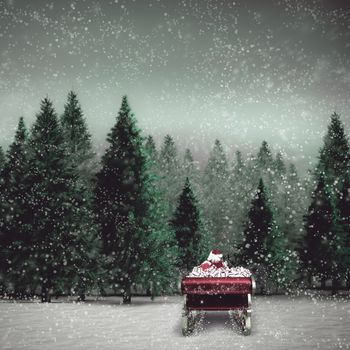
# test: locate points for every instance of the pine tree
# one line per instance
(127, 211)
(77, 137)
(188, 164)
(318, 226)
(187, 227)
(217, 167)
(279, 165)
(239, 165)
(264, 157)
(14, 240)
(216, 196)
(293, 205)
(260, 219)
(263, 247)
(60, 228)
(2, 159)
(151, 149)
(335, 155)
(170, 179)
(168, 155)
(343, 207)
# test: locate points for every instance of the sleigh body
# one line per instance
(232, 294)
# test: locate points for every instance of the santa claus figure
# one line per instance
(214, 260)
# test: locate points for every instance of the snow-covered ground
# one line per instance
(278, 323)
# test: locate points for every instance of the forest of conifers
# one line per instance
(141, 217)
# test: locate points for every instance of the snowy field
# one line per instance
(278, 323)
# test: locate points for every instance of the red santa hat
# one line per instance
(215, 256)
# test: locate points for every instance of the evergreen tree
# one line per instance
(263, 247)
(260, 220)
(239, 164)
(170, 179)
(264, 157)
(293, 204)
(127, 211)
(2, 158)
(216, 196)
(279, 165)
(334, 155)
(318, 226)
(168, 155)
(14, 240)
(60, 228)
(187, 227)
(151, 149)
(343, 207)
(217, 167)
(77, 137)
(188, 164)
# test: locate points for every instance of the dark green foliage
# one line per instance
(264, 157)
(168, 155)
(2, 158)
(263, 248)
(343, 208)
(170, 177)
(151, 149)
(13, 238)
(279, 165)
(188, 165)
(77, 138)
(187, 227)
(259, 225)
(318, 226)
(216, 202)
(334, 155)
(60, 228)
(217, 168)
(126, 208)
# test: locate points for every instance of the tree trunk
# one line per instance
(127, 294)
(152, 290)
(335, 286)
(45, 293)
(81, 297)
(323, 282)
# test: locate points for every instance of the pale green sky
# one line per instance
(240, 71)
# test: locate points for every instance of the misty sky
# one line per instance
(241, 71)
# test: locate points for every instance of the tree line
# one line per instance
(141, 216)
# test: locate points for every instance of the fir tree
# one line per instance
(126, 209)
(14, 238)
(188, 164)
(2, 158)
(215, 196)
(264, 157)
(168, 155)
(334, 155)
(77, 137)
(260, 220)
(279, 165)
(170, 179)
(239, 165)
(187, 227)
(217, 167)
(343, 207)
(60, 228)
(151, 149)
(318, 226)
(263, 247)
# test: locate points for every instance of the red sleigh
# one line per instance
(232, 294)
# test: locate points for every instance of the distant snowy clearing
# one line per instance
(278, 323)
